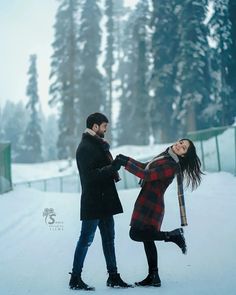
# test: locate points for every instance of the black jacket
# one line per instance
(99, 196)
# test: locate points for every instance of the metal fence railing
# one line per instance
(71, 183)
(217, 148)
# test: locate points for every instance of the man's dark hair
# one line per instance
(96, 118)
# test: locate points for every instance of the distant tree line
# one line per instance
(169, 67)
(33, 137)
(158, 71)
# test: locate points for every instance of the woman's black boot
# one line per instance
(152, 279)
(177, 236)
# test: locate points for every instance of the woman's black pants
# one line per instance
(148, 236)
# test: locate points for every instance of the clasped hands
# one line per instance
(119, 161)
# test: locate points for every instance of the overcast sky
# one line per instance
(26, 28)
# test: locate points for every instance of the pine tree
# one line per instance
(231, 74)
(120, 14)
(220, 27)
(64, 74)
(141, 100)
(50, 134)
(1, 125)
(165, 41)
(213, 110)
(109, 63)
(193, 78)
(122, 32)
(133, 126)
(91, 88)
(124, 133)
(33, 132)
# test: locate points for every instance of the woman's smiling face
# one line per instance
(180, 148)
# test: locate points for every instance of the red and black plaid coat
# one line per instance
(149, 206)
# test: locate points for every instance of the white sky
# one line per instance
(27, 28)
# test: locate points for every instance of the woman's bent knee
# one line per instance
(133, 233)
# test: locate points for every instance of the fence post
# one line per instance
(217, 153)
(125, 179)
(61, 184)
(235, 150)
(202, 151)
(45, 185)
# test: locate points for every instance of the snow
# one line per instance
(32, 172)
(36, 256)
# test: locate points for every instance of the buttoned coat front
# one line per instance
(99, 196)
(149, 207)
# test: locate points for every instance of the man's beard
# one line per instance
(100, 134)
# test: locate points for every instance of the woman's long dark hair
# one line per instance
(191, 166)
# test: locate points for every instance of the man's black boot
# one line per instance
(114, 280)
(76, 283)
(177, 236)
(152, 279)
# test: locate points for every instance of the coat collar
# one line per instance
(173, 155)
(90, 131)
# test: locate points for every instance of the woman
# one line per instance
(179, 159)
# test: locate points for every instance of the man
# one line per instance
(99, 200)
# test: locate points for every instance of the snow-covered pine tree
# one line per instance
(220, 26)
(165, 41)
(124, 132)
(64, 75)
(91, 87)
(193, 78)
(213, 110)
(1, 125)
(109, 63)
(231, 75)
(133, 124)
(121, 14)
(33, 132)
(50, 135)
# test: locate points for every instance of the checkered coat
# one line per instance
(149, 206)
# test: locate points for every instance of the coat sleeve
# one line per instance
(139, 164)
(87, 166)
(160, 172)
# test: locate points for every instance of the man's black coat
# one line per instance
(99, 196)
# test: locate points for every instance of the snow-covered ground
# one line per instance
(36, 256)
(32, 172)
(36, 250)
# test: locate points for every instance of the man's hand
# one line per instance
(116, 164)
(122, 159)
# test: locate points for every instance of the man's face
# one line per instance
(101, 129)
